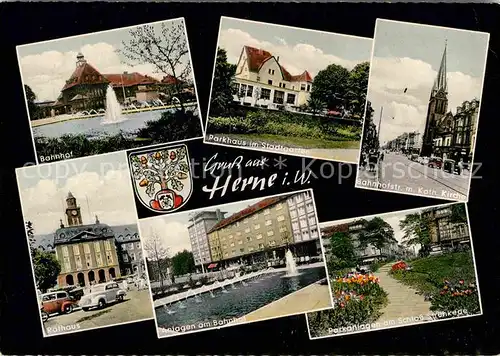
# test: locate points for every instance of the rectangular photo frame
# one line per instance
(110, 91)
(398, 269)
(264, 261)
(84, 242)
(288, 90)
(422, 110)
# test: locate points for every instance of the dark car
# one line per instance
(435, 162)
(451, 166)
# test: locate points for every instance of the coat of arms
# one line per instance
(162, 177)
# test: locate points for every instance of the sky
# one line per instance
(103, 179)
(299, 49)
(408, 56)
(172, 229)
(45, 66)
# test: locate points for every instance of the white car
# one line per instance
(423, 160)
(101, 295)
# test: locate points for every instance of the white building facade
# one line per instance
(303, 217)
(200, 224)
(262, 81)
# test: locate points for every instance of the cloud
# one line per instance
(295, 58)
(47, 72)
(110, 196)
(389, 78)
(172, 232)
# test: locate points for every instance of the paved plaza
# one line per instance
(135, 307)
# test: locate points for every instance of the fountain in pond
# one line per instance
(113, 112)
(181, 305)
(291, 266)
(169, 311)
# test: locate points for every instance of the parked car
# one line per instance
(413, 157)
(101, 295)
(451, 166)
(423, 160)
(58, 302)
(45, 315)
(435, 162)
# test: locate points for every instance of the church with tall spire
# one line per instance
(448, 135)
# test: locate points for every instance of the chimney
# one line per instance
(278, 59)
(125, 72)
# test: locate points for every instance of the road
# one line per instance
(397, 173)
(136, 306)
(349, 155)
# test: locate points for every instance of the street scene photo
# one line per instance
(110, 91)
(422, 111)
(85, 246)
(235, 263)
(398, 269)
(289, 90)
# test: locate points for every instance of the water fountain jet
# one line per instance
(113, 112)
(291, 266)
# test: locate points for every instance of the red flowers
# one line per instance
(399, 266)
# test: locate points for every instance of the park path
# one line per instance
(403, 302)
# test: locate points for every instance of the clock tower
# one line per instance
(73, 213)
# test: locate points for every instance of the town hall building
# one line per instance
(261, 80)
(87, 253)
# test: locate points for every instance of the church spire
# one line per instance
(441, 83)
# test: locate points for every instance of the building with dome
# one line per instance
(87, 253)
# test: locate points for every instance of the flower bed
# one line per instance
(399, 266)
(357, 300)
(456, 297)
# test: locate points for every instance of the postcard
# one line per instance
(422, 112)
(85, 246)
(235, 263)
(288, 90)
(110, 91)
(398, 269)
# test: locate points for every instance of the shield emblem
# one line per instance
(162, 177)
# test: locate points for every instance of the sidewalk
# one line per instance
(312, 297)
(403, 302)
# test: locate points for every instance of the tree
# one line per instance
(458, 214)
(377, 233)
(315, 105)
(222, 84)
(357, 86)
(183, 263)
(417, 231)
(370, 136)
(342, 248)
(31, 98)
(157, 253)
(30, 232)
(330, 85)
(165, 47)
(47, 268)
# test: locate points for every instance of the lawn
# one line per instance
(290, 141)
(427, 274)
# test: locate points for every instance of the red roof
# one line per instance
(84, 74)
(330, 230)
(129, 79)
(248, 211)
(170, 79)
(257, 57)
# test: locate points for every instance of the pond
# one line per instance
(200, 311)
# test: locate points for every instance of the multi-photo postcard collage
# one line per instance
(123, 227)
